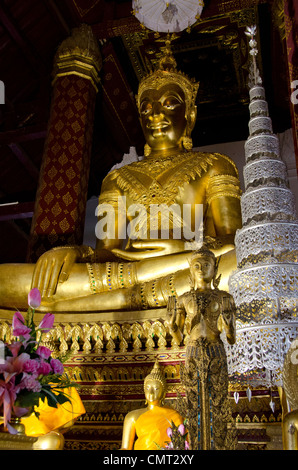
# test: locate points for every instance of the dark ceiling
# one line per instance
(214, 53)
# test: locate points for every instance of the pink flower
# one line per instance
(186, 445)
(29, 382)
(31, 366)
(43, 352)
(57, 366)
(34, 298)
(5, 363)
(181, 429)
(14, 366)
(15, 347)
(47, 322)
(169, 432)
(19, 327)
(44, 368)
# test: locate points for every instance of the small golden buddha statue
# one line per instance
(171, 177)
(150, 424)
(204, 313)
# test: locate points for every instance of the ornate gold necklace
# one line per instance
(150, 190)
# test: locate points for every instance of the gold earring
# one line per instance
(216, 281)
(147, 150)
(187, 142)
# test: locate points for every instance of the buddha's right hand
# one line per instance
(144, 249)
(52, 268)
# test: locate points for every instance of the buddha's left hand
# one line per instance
(150, 249)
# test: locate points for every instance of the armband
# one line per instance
(222, 186)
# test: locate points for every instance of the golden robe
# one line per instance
(151, 427)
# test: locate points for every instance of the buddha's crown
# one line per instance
(201, 252)
(156, 374)
(165, 73)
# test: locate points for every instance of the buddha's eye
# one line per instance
(146, 107)
(171, 102)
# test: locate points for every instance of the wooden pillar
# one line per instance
(63, 183)
(291, 33)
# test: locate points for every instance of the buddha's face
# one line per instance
(163, 116)
(203, 269)
(154, 391)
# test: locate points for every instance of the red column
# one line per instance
(62, 191)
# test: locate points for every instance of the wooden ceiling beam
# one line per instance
(25, 160)
(23, 134)
(13, 211)
(14, 32)
(56, 13)
(13, 225)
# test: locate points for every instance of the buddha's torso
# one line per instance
(151, 427)
(181, 181)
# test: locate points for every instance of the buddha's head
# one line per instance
(166, 103)
(155, 386)
(203, 268)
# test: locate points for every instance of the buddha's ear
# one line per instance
(191, 118)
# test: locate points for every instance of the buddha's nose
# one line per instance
(156, 111)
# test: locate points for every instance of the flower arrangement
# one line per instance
(28, 373)
(177, 435)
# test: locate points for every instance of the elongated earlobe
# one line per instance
(191, 119)
(187, 142)
(147, 150)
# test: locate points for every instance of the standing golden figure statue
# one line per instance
(149, 268)
(204, 313)
(150, 424)
(289, 398)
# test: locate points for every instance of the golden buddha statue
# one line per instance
(204, 313)
(153, 264)
(150, 424)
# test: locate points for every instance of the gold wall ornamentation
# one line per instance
(104, 337)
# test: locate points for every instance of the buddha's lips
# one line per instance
(158, 125)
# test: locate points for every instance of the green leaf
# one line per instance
(27, 399)
(62, 398)
(52, 400)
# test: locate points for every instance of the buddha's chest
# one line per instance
(174, 184)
